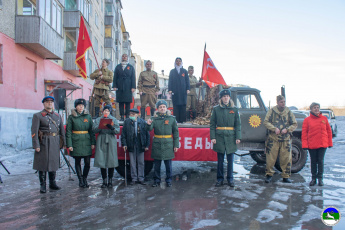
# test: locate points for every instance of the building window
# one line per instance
(90, 9)
(26, 7)
(96, 19)
(96, 45)
(70, 4)
(89, 67)
(109, 54)
(102, 6)
(109, 10)
(51, 12)
(71, 40)
(101, 51)
(84, 8)
(1, 63)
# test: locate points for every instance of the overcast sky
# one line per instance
(260, 43)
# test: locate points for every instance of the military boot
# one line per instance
(42, 177)
(153, 111)
(85, 173)
(122, 118)
(193, 114)
(52, 182)
(80, 176)
(142, 111)
(96, 112)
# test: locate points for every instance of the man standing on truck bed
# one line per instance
(280, 123)
(225, 133)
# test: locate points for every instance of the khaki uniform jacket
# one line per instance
(281, 120)
(148, 78)
(223, 116)
(105, 81)
(48, 159)
(192, 82)
(163, 148)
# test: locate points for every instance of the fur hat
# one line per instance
(80, 101)
(161, 102)
(224, 92)
(108, 107)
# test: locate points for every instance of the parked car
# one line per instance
(331, 120)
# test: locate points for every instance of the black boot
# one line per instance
(312, 182)
(104, 185)
(193, 114)
(142, 111)
(80, 176)
(153, 111)
(110, 177)
(104, 176)
(96, 112)
(122, 118)
(42, 177)
(52, 182)
(320, 182)
(85, 173)
(110, 182)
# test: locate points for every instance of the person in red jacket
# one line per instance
(316, 137)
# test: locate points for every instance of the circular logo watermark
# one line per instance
(330, 216)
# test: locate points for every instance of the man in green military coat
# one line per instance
(165, 142)
(101, 87)
(225, 133)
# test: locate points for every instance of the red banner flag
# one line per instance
(210, 74)
(84, 43)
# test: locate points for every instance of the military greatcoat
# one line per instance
(162, 145)
(124, 81)
(48, 158)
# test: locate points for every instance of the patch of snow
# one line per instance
(205, 223)
(268, 215)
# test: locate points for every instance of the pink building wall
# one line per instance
(18, 88)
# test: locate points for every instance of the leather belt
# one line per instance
(149, 86)
(80, 132)
(50, 134)
(163, 136)
(226, 128)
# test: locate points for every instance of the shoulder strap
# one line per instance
(54, 123)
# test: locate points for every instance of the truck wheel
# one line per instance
(121, 168)
(259, 157)
(299, 156)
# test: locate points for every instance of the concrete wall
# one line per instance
(7, 15)
(15, 127)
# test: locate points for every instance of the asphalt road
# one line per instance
(191, 203)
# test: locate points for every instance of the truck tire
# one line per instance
(121, 168)
(299, 156)
(259, 157)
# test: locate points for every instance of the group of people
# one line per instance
(48, 133)
(182, 87)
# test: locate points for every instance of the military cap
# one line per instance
(280, 97)
(134, 110)
(80, 101)
(224, 92)
(190, 67)
(161, 102)
(314, 104)
(108, 107)
(48, 97)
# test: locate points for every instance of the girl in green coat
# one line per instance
(106, 148)
(225, 133)
(80, 139)
(165, 143)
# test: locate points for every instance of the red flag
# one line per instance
(84, 43)
(210, 74)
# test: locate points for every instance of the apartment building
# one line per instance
(38, 41)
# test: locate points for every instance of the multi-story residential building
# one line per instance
(38, 40)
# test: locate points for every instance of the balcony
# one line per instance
(36, 35)
(109, 43)
(69, 63)
(108, 20)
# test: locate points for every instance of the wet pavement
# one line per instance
(191, 203)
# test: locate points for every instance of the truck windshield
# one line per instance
(247, 101)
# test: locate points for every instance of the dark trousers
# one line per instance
(110, 173)
(316, 162)
(122, 106)
(180, 113)
(77, 164)
(157, 168)
(220, 168)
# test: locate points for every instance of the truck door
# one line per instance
(252, 112)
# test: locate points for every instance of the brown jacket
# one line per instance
(148, 82)
(105, 81)
(48, 159)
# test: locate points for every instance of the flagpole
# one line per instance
(202, 73)
(95, 57)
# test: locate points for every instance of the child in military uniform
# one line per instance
(225, 133)
(165, 143)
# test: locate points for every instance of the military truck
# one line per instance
(195, 143)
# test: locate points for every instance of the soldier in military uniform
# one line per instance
(280, 123)
(101, 87)
(47, 126)
(148, 86)
(192, 95)
(225, 134)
